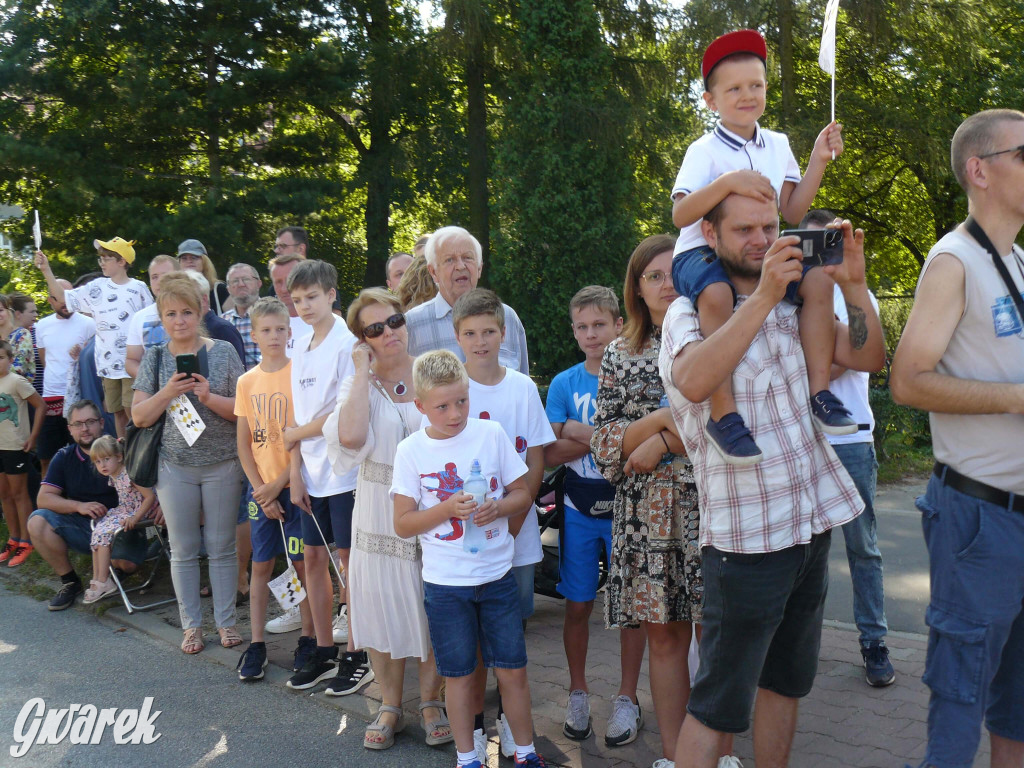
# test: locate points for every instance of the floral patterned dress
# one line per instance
(654, 574)
(24, 361)
(129, 501)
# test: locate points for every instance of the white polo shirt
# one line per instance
(721, 151)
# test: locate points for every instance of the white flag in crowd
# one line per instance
(827, 52)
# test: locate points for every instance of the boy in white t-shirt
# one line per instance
(111, 303)
(471, 599)
(740, 157)
(511, 399)
(320, 362)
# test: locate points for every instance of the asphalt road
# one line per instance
(207, 717)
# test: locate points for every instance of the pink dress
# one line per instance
(129, 502)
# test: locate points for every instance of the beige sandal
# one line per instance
(387, 731)
(438, 731)
(193, 642)
(229, 637)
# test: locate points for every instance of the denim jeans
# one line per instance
(975, 662)
(862, 545)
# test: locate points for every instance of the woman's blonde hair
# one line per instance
(106, 446)
(368, 297)
(638, 317)
(417, 286)
(209, 271)
(181, 287)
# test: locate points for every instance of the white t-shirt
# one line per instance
(515, 404)
(57, 336)
(721, 151)
(430, 471)
(316, 378)
(300, 330)
(111, 306)
(852, 386)
(145, 329)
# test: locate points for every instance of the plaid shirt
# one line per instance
(243, 324)
(430, 328)
(800, 488)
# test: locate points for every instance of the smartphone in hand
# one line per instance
(186, 364)
(820, 247)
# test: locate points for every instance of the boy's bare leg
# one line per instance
(258, 598)
(714, 308)
(817, 327)
(515, 699)
(120, 422)
(243, 548)
(698, 746)
(458, 699)
(343, 555)
(22, 502)
(319, 593)
(576, 640)
(305, 613)
(632, 643)
(1006, 753)
(669, 646)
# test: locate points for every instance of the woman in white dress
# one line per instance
(375, 412)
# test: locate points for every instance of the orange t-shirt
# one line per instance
(265, 400)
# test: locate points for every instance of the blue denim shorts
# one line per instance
(334, 515)
(696, 269)
(463, 618)
(76, 532)
(762, 629)
(267, 542)
(975, 662)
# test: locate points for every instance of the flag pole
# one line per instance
(833, 103)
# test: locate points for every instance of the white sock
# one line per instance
(465, 758)
(522, 752)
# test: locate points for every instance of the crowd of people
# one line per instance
(712, 439)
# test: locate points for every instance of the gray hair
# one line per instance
(445, 234)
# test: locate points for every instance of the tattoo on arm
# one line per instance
(858, 326)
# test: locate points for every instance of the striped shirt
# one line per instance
(800, 488)
(243, 324)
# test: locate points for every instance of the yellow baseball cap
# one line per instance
(122, 248)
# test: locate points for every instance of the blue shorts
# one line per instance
(696, 269)
(523, 575)
(76, 531)
(975, 662)
(334, 514)
(243, 503)
(580, 542)
(462, 618)
(267, 542)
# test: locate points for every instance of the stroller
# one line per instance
(550, 513)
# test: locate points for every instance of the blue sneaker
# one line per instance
(251, 665)
(303, 652)
(532, 760)
(878, 669)
(731, 438)
(831, 416)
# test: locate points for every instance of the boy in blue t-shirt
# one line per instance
(587, 526)
(740, 157)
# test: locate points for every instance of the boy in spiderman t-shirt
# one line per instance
(471, 599)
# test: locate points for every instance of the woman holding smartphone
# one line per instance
(200, 478)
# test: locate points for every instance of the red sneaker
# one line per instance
(8, 549)
(20, 555)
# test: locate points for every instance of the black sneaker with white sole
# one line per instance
(66, 595)
(354, 672)
(314, 671)
(253, 662)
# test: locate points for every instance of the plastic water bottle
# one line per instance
(474, 538)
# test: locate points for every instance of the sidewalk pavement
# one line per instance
(843, 722)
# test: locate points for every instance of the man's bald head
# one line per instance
(59, 307)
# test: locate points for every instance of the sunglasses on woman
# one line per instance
(373, 330)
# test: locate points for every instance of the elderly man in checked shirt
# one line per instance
(765, 528)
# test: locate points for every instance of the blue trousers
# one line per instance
(862, 545)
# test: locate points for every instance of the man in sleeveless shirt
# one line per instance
(962, 359)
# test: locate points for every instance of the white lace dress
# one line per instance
(386, 583)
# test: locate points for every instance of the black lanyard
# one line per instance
(978, 234)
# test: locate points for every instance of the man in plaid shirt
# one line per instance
(766, 528)
(244, 286)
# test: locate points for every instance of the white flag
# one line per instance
(827, 52)
(37, 233)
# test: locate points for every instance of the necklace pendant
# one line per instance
(400, 388)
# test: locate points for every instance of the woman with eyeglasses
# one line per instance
(654, 579)
(375, 413)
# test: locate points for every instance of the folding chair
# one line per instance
(163, 554)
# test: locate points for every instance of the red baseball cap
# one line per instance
(740, 41)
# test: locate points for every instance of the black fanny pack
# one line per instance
(593, 497)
